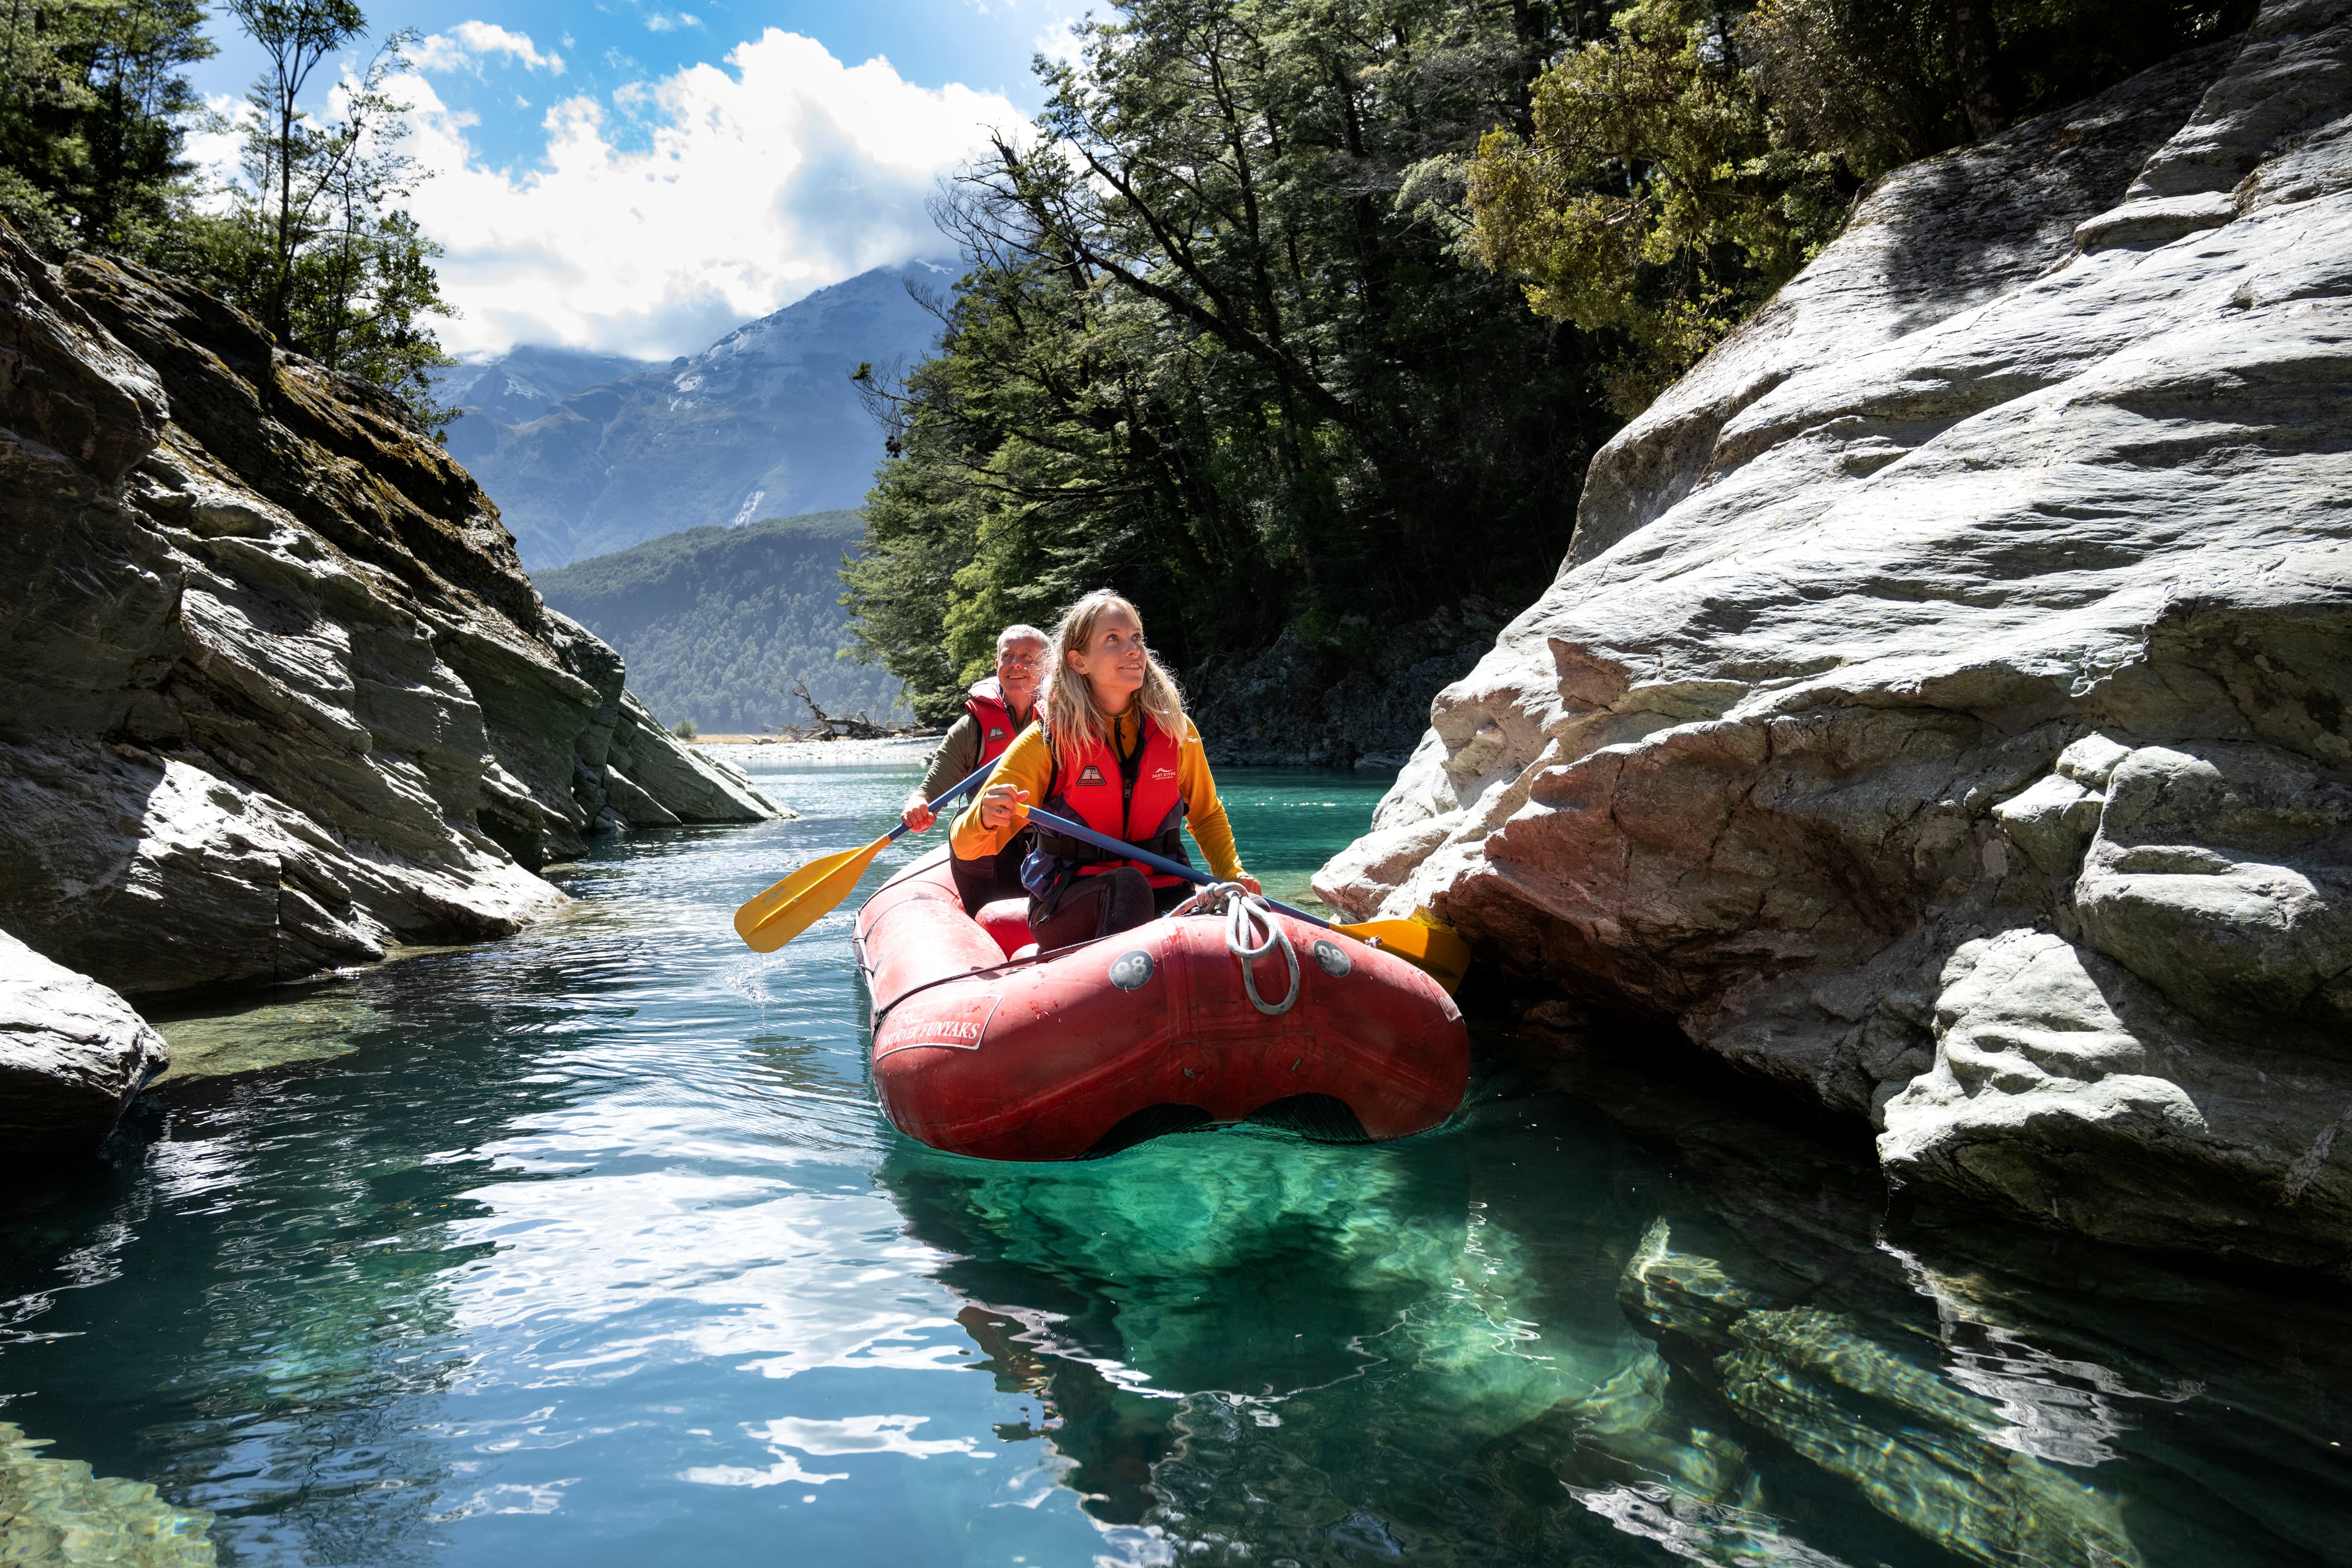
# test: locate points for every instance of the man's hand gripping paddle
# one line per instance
(1420, 943)
(809, 894)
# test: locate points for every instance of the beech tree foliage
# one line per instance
(314, 243)
(1306, 316)
(310, 237)
(1686, 164)
(94, 105)
(1215, 348)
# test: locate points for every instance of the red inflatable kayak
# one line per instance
(981, 1049)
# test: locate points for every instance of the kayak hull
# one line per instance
(1145, 1032)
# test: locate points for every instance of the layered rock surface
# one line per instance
(279, 692)
(72, 1053)
(1942, 707)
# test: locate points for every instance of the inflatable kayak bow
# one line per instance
(1231, 1009)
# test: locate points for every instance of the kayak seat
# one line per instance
(1007, 920)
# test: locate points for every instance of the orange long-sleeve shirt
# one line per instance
(1028, 764)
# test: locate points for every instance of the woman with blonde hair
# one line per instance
(1112, 749)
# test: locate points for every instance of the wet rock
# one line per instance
(1939, 1458)
(59, 1511)
(72, 1053)
(1993, 582)
(282, 693)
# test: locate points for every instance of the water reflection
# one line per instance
(293, 1243)
(590, 1246)
(1539, 1335)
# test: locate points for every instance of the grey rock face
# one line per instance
(279, 691)
(1942, 709)
(72, 1053)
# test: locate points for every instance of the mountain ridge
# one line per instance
(762, 422)
(716, 622)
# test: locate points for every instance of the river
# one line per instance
(590, 1246)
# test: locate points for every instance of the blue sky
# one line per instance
(641, 177)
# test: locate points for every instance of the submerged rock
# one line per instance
(279, 690)
(58, 1511)
(72, 1053)
(1942, 707)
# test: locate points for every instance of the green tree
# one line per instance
(93, 109)
(1681, 164)
(95, 106)
(286, 155)
(314, 243)
(1213, 348)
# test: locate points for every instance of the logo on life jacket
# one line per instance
(1092, 775)
(995, 733)
(1163, 772)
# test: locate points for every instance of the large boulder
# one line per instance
(1942, 710)
(279, 691)
(72, 1053)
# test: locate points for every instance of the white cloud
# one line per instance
(673, 211)
(464, 47)
(215, 144)
(666, 22)
(1058, 40)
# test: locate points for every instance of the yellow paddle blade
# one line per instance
(801, 900)
(1426, 946)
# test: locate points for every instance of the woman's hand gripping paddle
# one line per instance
(1420, 941)
(809, 894)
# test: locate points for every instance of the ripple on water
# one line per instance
(590, 1246)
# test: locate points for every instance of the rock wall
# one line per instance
(279, 692)
(1942, 709)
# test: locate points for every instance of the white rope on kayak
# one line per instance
(1245, 914)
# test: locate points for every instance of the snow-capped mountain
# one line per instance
(763, 423)
(518, 387)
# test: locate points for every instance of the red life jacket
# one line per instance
(1135, 799)
(985, 702)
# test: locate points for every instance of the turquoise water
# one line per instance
(590, 1248)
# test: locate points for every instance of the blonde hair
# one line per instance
(1072, 715)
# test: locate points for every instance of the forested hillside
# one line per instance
(716, 623)
(1306, 316)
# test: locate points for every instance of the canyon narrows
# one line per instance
(1942, 707)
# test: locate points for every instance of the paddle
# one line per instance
(1425, 945)
(801, 900)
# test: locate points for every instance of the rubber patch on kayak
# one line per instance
(950, 1025)
(1334, 961)
(1131, 971)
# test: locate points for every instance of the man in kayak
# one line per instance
(1115, 750)
(997, 708)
